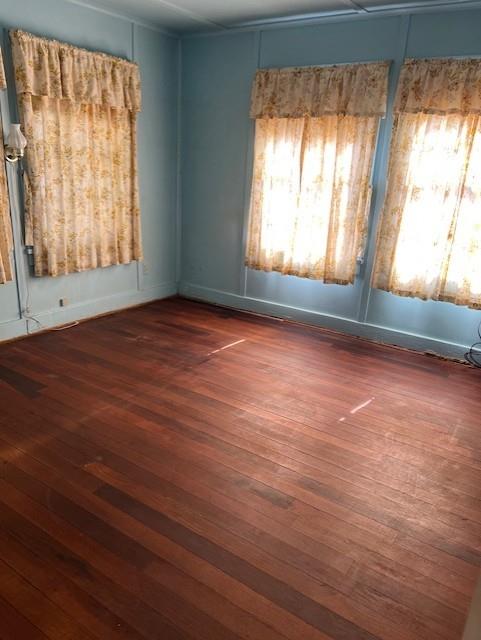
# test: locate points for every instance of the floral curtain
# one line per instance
(3, 79)
(5, 226)
(429, 243)
(295, 92)
(315, 136)
(79, 112)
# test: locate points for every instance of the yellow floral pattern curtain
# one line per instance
(3, 79)
(429, 242)
(316, 131)
(79, 112)
(295, 92)
(6, 274)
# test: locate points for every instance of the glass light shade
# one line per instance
(15, 139)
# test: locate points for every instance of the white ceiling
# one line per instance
(202, 15)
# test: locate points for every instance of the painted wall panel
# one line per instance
(304, 293)
(9, 310)
(439, 320)
(331, 43)
(453, 33)
(217, 75)
(157, 130)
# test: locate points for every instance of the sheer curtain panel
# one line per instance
(429, 242)
(79, 112)
(6, 274)
(316, 130)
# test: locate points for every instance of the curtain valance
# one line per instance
(58, 70)
(3, 80)
(439, 86)
(295, 92)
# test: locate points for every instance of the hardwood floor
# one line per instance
(183, 471)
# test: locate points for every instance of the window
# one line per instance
(79, 114)
(429, 244)
(316, 132)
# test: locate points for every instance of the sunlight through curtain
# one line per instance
(316, 131)
(6, 274)
(429, 243)
(79, 112)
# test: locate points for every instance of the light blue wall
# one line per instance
(217, 140)
(102, 290)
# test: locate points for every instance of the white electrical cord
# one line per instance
(25, 298)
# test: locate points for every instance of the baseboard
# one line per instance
(83, 310)
(473, 625)
(337, 323)
(12, 329)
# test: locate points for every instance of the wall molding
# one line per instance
(305, 20)
(213, 28)
(12, 329)
(337, 323)
(128, 17)
(84, 310)
(473, 625)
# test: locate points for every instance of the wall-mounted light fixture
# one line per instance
(16, 143)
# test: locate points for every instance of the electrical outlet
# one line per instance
(63, 302)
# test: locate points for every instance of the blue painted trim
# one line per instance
(422, 5)
(335, 323)
(307, 18)
(437, 5)
(140, 266)
(12, 329)
(473, 624)
(348, 16)
(248, 169)
(154, 26)
(299, 18)
(178, 204)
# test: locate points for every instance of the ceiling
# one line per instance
(203, 15)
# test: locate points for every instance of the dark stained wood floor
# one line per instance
(183, 471)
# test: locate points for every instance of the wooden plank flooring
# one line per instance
(184, 471)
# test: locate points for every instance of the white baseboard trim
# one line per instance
(337, 323)
(83, 310)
